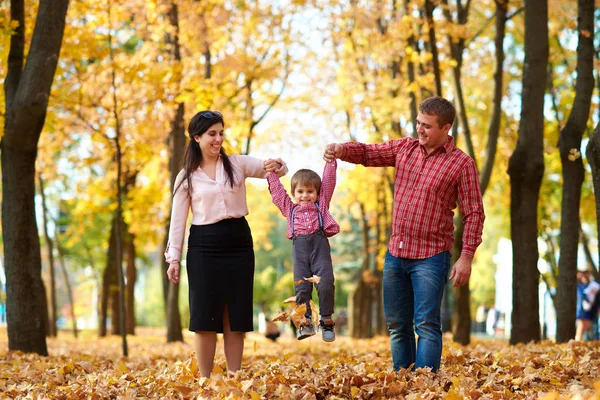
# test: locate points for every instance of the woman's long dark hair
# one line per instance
(192, 157)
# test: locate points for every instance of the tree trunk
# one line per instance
(360, 321)
(26, 101)
(412, 44)
(461, 317)
(461, 311)
(63, 267)
(494, 128)
(176, 143)
(526, 170)
(429, 7)
(51, 270)
(569, 144)
(108, 281)
(383, 233)
(115, 310)
(119, 232)
(593, 155)
(131, 279)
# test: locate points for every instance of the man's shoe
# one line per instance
(306, 331)
(328, 330)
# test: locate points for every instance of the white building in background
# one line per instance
(504, 293)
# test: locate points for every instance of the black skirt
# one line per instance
(220, 268)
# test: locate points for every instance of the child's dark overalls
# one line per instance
(312, 256)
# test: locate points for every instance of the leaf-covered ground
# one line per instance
(346, 369)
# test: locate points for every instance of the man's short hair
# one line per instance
(441, 108)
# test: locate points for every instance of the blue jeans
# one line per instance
(412, 298)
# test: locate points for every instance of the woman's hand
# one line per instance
(173, 272)
(272, 165)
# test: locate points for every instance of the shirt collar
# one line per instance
(449, 145)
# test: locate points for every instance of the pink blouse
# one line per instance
(212, 200)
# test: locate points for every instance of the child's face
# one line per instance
(305, 194)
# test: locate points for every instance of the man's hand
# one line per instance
(173, 272)
(461, 272)
(333, 151)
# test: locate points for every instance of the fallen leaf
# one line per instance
(282, 316)
(313, 279)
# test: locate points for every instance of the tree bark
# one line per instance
(51, 269)
(119, 194)
(412, 44)
(63, 267)
(569, 144)
(461, 317)
(360, 321)
(526, 170)
(461, 313)
(131, 279)
(593, 155)
(108, 281)
(26, 100)
(494, 128)
(176, 142)
(585, 243)
(429, 7)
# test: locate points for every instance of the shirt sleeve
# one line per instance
(372, 155)
(253, 167)
(591, 290)
(280, 197)
(328, 183)
(471, 206)
(179, 213)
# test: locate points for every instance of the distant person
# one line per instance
(309, 225)
(272, 331)
(342, 321)
(432, 177)
(587, 310)
(490, 322)
(220, 256)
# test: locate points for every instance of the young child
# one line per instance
(309, 225)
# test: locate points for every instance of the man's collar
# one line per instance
(449, 145)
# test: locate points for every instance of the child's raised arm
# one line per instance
(280, 197)
(328, 182)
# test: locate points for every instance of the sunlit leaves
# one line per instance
(358, 369)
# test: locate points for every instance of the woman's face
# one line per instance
(211, 141)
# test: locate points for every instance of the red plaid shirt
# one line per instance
(426, 191)
(306, 218)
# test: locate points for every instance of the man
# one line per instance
(432, 175)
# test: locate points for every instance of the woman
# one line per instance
(587, 309)
(220, 258)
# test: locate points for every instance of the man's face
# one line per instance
(431, 135)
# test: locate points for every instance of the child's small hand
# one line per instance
(332, 151)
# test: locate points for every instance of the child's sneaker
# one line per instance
(306, 331)
(327, 328)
